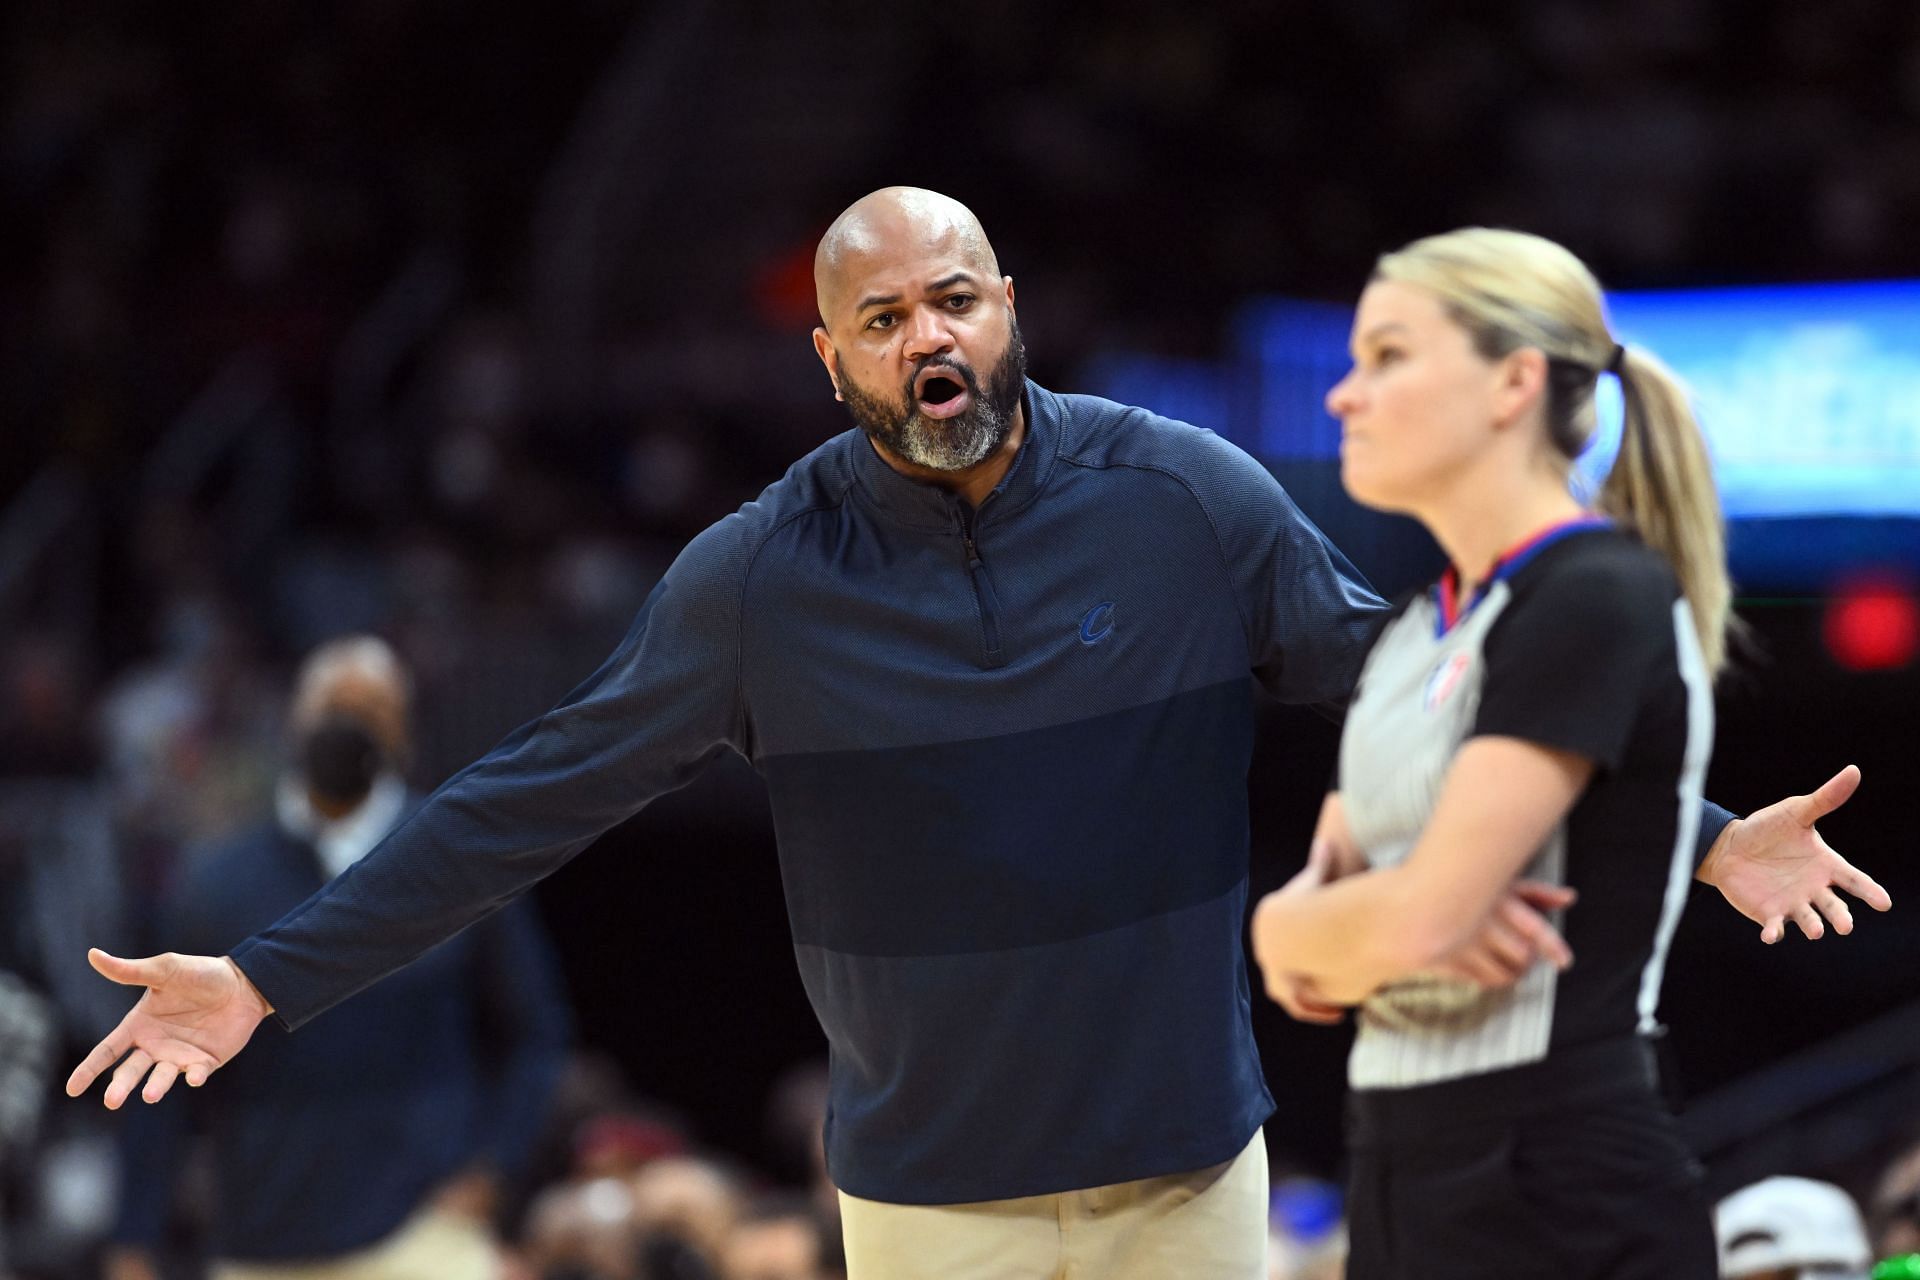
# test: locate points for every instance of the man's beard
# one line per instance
(947, 444)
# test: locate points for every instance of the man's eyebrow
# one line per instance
(890, 299)
(947, 282)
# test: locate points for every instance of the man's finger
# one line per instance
(126, 1076)
(1833, 793)
(104, 1055)
(1835, 911)
(131, 973)
(1862, 886)
(1773, 930)
(159, 1080)
(1809, 921)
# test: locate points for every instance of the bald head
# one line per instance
(888, 223)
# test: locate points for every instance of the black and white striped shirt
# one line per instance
(1579, 641)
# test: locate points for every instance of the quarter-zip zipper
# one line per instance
(983, 593)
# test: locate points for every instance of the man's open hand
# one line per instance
(196, 1013)
(1774, 867)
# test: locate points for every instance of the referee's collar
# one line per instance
(922, 505)
(1450, 607)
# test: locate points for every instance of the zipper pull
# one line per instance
(966, 537)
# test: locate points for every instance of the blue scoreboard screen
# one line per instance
(1809, 396)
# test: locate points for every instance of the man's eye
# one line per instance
(1386, 355)
(882, 321)
(960, 301)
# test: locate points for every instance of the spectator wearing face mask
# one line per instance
(373, 1144)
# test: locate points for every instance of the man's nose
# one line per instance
(927, 333)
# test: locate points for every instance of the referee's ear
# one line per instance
(1520, 387)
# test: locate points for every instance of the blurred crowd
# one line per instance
(620, 1189)
(310, 323)
(311, 320)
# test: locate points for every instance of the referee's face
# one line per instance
(1418, 408)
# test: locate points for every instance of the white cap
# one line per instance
(1780, 1223)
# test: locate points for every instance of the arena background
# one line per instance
(454, 322)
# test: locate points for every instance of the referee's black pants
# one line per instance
(1572, 1169)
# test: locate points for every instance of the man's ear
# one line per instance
(823, 347)
(1008, 282)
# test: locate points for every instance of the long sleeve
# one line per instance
(664, 704)
(1713, 820)
(1310, 615)
(524, 1023)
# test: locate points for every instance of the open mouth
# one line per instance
(941, 393)
(939, 390)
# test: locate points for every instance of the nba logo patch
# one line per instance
(1443, 680)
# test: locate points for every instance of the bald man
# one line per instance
(991, 652)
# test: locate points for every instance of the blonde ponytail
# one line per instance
(1661, 486)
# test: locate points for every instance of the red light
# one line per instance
(1873, 626)
(783, 289)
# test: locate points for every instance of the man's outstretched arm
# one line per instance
(665, 703)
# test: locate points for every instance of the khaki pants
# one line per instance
(428, 1246)
(1210, 1224)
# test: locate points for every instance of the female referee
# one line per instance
(1544, 711)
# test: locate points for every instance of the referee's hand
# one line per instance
(1296, 992)
(196, 1013)
(1516, 936)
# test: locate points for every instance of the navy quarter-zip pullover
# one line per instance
(1007, 751)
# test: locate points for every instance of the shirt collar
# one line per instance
(921, 505)
(1446, 592)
